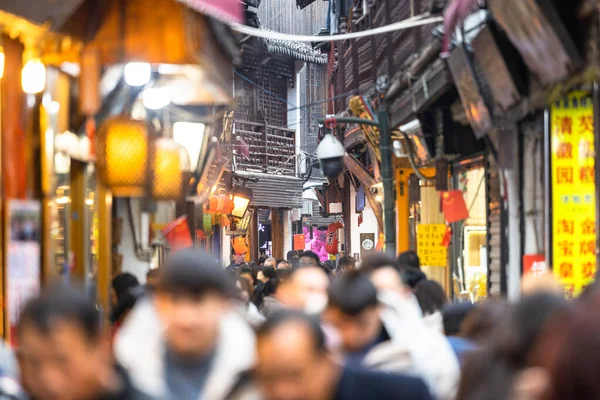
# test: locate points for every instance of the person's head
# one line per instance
(244, 290)
(293, 362)
(346, 263)
(568, 353)
(270, 262)
(294, 262)
(266, 274)
(283, 264)
(431, 296)
(382, 271)
(409, 259)
(121, 284)
(412, 276)
(247, 273)
(500, 370)
(124, 306)
(192, 295)
(304, 288)
(483, 321)
(62, 350)
(152, 279)
(238, 259)
(454, 315)
(291, 254)
(353, 309)
(309, 259)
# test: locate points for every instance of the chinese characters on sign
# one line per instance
(430, 249)
(573, 188)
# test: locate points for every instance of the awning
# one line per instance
(42, 11)
(276, 191)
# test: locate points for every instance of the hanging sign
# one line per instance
(23, 258)
(573, 192)
(299, 242)
(454, 206)
(430, 247)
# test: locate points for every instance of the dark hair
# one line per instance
(346, 261)
(311, 254)
(294, 262)
(569, 350)
(123, 282)
(352, 293)
(409, 259)
(328, 264)
(412, 276)
(290, 254)
(125, 304)
(378, 260)
(245, 286)
(58, 304)
(489, 374)
(194, 273)
(246, 269)
(431, 296)
(483, 321)
(454, 314)
(269, 272)
(280, 318)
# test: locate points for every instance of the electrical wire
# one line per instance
(419, 20)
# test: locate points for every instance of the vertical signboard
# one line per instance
(23, 257)
(573, 192)
(430, 248)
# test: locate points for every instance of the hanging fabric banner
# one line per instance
(573, 192)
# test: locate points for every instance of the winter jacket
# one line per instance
(140, 349)
(414, 348)
(270, 306)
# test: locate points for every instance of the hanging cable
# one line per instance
(419, 20)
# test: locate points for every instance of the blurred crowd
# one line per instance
(300, 329)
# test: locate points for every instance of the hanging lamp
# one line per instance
(171, 168)
(122, 151)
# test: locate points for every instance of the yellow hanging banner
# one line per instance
(430, 250)
(573, 192)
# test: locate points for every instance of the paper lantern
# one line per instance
(171, 169)
(332, 244)
(122, 150)
(239, 245)
(33, 76)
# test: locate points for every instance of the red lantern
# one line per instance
(332, 243)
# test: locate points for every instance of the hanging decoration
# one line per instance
(454, 206)
(239, 245)
(332, 244)
(178, 235)
(171, 170)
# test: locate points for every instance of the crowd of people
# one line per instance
(298, 329)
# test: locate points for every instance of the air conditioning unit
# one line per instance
(296, 214)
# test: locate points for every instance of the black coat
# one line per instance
(362, 384)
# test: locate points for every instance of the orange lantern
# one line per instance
(171, 170)
(239, 245)
(178, 234)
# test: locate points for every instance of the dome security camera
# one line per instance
(331, 154)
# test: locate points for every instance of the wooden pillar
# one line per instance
(277, 233)
(347, 212)
(253, 237)
(79, 233)
(104, 274)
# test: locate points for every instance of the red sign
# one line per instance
(178, 234)
(299, 242)
(534, 264)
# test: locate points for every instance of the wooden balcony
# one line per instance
(272, 149)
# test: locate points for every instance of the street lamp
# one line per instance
(33, 76)
(137, 73)
(241, 196)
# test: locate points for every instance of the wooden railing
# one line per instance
(272, 149)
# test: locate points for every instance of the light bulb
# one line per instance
(137, 73)
(156, 98)
(2, 57)
(33, 76)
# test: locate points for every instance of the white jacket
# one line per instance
(139, 348)
(414, 348)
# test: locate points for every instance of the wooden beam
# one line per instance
(376, 207)
(359, 170)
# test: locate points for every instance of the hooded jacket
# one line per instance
(414, 348)
(140, 349)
